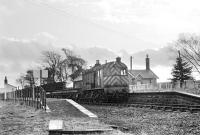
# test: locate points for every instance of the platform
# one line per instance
(81, 108)
(68, 117)
(68, 107)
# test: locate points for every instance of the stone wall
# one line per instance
(164, 98)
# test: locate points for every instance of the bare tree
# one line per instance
(74, 62)
(189, 45)
(21, 81)
(26, 80)
(55, 64)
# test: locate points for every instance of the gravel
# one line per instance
(144, 121)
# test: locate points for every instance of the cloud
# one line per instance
(18, 54)
(94, 53)
(151, 11)
(164, 56)
(161, 59)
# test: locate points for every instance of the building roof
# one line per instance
(79, 78)
(143, 73)
(11, 85)
(107, 65)
(114, 63)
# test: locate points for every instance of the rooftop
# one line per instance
(144, 73)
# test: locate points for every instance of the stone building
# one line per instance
(7, 88)
(145, 76)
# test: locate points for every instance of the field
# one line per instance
(144, 121)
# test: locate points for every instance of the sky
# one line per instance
(94, 29)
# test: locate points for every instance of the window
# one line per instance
(99, 75)
(123, 72)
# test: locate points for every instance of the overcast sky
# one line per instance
(94, 29)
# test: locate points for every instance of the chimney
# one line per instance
(131, 60)
(5, 80)
(97, 63)
(105, 61)
(118, 59)
(147, 63)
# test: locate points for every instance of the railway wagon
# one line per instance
(105, 82)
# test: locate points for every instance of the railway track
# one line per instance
(169, 107)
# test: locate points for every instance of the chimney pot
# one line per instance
(118, 59)
(97, 63)
(5, 80)
(147, 62)
(131, 60)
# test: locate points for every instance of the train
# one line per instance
(104, 83)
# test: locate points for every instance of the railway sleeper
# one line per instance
(194, 106)
(167, 108)
(194, 110)
(182, 109)
(178, 105)
(159, 107)
(147, 106)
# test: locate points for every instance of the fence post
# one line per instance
(45, 103)
(39, 91)
(37, 97)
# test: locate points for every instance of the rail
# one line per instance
(35, 97)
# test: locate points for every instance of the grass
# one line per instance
(144, 121)
(16, 119)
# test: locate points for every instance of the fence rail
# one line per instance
(35, 97)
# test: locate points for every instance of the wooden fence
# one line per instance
(35, 97)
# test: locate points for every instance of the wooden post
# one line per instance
(39, 91)
(29, 103)
(36, 101)
(23, 95)
(45, 101)
(25, 91)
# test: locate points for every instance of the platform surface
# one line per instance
(81, 108)
(68, 107)
(75, 117)
(55, 125)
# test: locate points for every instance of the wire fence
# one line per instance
(32, 96)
